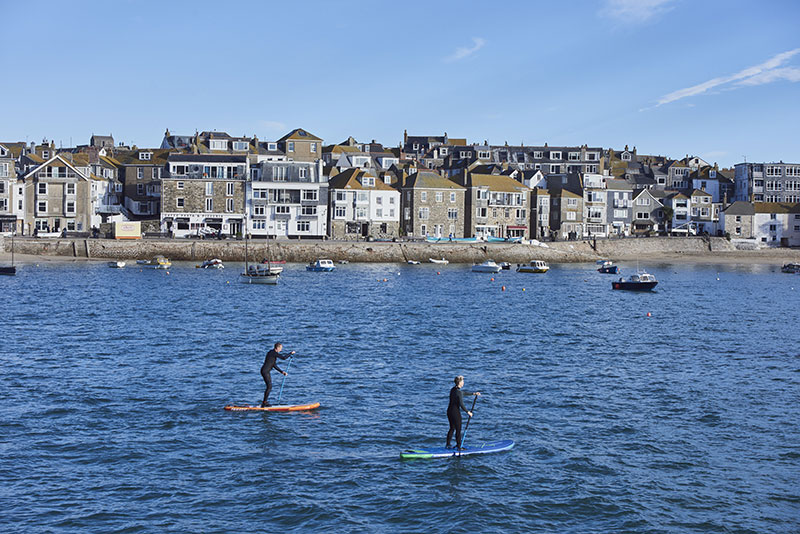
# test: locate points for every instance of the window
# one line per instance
(41, 206)
(341, 195)
(279, 173)
(537, 154)
(303, 226)
(452, 197)
(572, 202)
(179, 202)
(179, 185)
(140, 189)
(308, 211)
(574, 156)
(555, 155)
(282, 210)
(70, 189)
(416, 146)
(217, 144)
(314, 147)
(361, 213)
(481, 213)
(272, 146)
(423, 229)
(259, 210)
(145, 156)
(309, 194)
(209, 188)
(555, 169)
(773, 216)
(626, 156)
(423, 197)
(423, 213)
(139, 173)
(209, 204)
(41, 188)
(571, 215)
(773, 227)
(156, 174)
(229, 188)
(303, 172)
(240, 145)
(484, 154)
(339, 212)
(642, 201)
(773, 170)
(520, 214)
(363, 197)
(45, 154)
(70, 208)
(379, 200)
(443, 151)
(452, 213)
(439, 196)
(290, 146)
(642, 215)
(379, 212)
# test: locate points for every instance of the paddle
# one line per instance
(466, 427)
(284, 379)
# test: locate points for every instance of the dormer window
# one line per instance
(45, 154)
(537, 154)
(555, 155)
(443, 151)
(712, 174)
(484, 154)
(368, 181)
(240, 145)
(272, 146)
(145, 156)
(416, 146)
(217, 144)
(626, 156)
(574, 156)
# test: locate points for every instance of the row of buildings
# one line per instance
(428, 186)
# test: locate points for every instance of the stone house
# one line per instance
(566, 213)
(362, 206)
(57, 197)
(204, 194)
(737, 220)
(287, 199)
(431, 205)
(300, 145)
(495, 206)
(139, 172)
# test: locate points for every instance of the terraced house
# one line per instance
(58, 195)
(9, 191)
(767, 182)
(140, 172)
(431, 205)
(300, 145)
(204, 194)
(495, 206)
(287, 199)
(362, 206)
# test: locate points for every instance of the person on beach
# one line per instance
(270, 363)
(454, 410)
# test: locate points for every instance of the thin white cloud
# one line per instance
(635, 11)
(272, 125)
(791, 74)
(463, 52)
(762, 73)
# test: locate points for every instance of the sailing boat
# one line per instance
(9, 269)
(257, 273)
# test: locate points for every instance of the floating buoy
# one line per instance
(491, 279)
(503, 288)
(649, 314)
(385, 280)
(523, 289)
(228, 282)
(438, 272)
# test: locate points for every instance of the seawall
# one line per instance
(305, 251)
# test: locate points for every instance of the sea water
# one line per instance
(114, 381)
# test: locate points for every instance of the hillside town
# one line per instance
(214, 185)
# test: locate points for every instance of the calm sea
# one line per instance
(113, 384)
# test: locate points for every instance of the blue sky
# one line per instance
(716, 79)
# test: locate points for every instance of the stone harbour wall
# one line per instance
(305, 251)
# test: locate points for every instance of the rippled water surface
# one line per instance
(113, 383)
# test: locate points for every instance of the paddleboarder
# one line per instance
(454, 410)
(270, 363)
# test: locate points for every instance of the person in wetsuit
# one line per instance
(454, 411)
(270, 363)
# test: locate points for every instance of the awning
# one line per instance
(8, 218)
(182, 219)
(213, 219)
(516, 227)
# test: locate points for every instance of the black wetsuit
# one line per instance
(454, 414)
(270, 363)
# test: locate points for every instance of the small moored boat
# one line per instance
(441, 261)
(637, 282)
(412, 262)
(791, 268)
(116, 264)
(258, 273)
(489, 266)
(216, 263)
(321, 266)
(608, 267)
(505, 265)
(159, 262)
(535, 266)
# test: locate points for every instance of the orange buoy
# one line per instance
(438, 272)
(649, 314)
(503, 288)
(385, 280)
(491, 279)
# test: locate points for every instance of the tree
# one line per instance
(668, 213)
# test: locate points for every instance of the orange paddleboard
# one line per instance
(282, 408)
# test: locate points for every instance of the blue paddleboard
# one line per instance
(441, 452)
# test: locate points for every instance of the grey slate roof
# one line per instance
(740, 207)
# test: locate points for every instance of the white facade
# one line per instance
(595, 210)
(287, 199)
(777, 229)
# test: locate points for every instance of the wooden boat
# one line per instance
(535, 266)
(321, 266)
(637, 282)
(608, 267)
(116, 264)
(489, 266)
(791, 268)
(441, 261)
(259, 273)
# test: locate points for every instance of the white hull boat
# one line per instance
(489, 266)
(441, 261)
